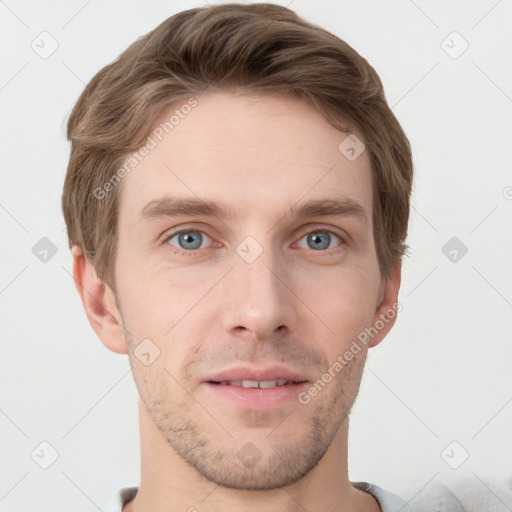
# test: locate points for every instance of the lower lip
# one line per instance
(257, 398)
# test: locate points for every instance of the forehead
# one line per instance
(261, 154)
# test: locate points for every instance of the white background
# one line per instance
(444, 372)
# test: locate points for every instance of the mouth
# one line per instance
(260, 384)
(256, 389)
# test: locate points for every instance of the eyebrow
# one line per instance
(179, 206)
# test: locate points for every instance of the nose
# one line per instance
(257, 296)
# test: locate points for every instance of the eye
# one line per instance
(188, 240)
(320, 240)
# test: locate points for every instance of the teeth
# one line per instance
(249, 383)
(268, 384)
(262, 384)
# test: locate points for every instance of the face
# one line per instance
(246, 261)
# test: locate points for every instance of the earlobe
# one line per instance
(388, 307)
(99, 304)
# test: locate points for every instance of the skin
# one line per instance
(208, 309)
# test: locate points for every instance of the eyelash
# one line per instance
(196, 252)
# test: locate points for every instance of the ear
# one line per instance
(99, 303)
(388, 305)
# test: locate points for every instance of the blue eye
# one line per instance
(320, 240)
(189, 240)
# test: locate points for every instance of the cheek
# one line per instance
(162, 305)
(152, 302)
(343, 298)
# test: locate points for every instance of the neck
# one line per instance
(169, 484)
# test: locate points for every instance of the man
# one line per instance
(237, 200)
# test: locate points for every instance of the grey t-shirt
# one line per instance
(388, 501)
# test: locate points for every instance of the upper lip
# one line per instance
(259, 374)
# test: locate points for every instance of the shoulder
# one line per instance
(387, 501)
(118, 500)
(491, 495)
(465, 496)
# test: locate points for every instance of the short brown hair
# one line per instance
(256, 48)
